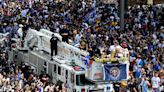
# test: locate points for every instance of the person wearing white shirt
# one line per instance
(115, 46)
(94, 4)
(138, 60)
(49, 88)
(77, 39)
(155, 82)
(20, 31)
(83, 4)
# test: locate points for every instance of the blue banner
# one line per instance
(115, 72)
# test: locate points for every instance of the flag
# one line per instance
(86, 61)
(115, 72)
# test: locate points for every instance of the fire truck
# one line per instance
(70, 65)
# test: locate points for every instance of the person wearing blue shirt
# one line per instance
(138, 72)
(145, 84)
(153, 59)
(157, 66)
(142, 62)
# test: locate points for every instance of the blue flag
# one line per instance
(115, 72)
(86, 61)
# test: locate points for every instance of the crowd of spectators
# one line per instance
(22, 78)
(95, 27)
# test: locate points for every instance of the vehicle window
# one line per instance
(55, 68)
(16, 56)
(81, 80)
(45, 66)
(45, 63)
(72, 78)
(59, 70)
(66, 74)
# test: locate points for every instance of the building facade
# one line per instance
(132, 2)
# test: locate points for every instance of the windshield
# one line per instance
(81, 80)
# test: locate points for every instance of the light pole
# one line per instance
(122, 13)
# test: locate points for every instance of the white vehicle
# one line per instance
(79, 76)
(74, 77)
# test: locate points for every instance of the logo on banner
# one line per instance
(114, 72)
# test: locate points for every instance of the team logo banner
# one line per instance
(115, 72)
